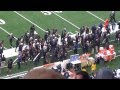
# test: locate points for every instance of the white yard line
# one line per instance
(71, 33)
(15, 60)
(65, 20)
(6, 32)
(76, 31)
(95, 16)
(29, 20)
(14, 75)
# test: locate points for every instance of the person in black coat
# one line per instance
(118, 25)
(113, 25)
(26, 38)
(45, 36)
(11, 37)
(102, 62)
(1, 51)
(87, 30)
(32, 29)
(62, 55)
(3, 58)
(112, 17)
(76, 48)
(53, 57)
(76, 39)
(97, 42)
(92, 46)
(19, 59)
(117, 36)
(10, 62)
(101, 26)
(118, 39)
(82, 29)
(82, 40)
(17, 43)
(85, 48)
(93, 29)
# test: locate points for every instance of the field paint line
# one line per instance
(70, 32)
(14, 64)
(36, 56)
(65, 20)
(95, 16)
(14, 75)
(6, 32)
(15, 60)
(29, 20)
(117, 56)
(76, 31)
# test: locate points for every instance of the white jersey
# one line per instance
(34, 45)
(44, 47)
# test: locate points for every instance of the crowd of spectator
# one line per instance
(31, 44)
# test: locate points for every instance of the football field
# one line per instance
(19, 22)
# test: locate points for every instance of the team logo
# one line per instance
(49, 12)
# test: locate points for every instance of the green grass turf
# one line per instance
(80, 18)
(17, 25)
(105, 14)
(50, 22)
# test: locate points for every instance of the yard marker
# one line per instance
(29, 20)
(95, 16)
(65, 20)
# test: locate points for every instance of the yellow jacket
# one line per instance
(84, 69)
(93, 67)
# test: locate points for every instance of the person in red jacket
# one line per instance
(106, 23)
